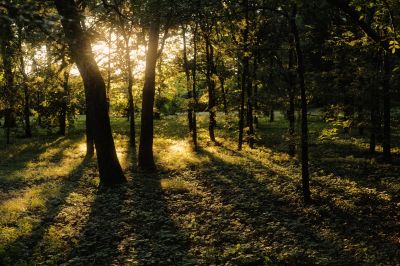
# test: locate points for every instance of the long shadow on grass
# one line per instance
(102, 233)
(340, 158)
(20, 251)
(350, 162)
(19, 161)
(297, 230)
(130, 224)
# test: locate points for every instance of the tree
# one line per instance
(146, 159)
(304, 113)
(79, 45)
(7, 54)
(125, 22)
(386, 37)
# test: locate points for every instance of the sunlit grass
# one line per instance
(175, 154)
(230, 207)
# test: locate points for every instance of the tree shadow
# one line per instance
(260, 206)
(347, 157)
(130, 224)
(18, 161)
(20, 250)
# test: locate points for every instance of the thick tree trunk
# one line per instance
(89, 132)
(109, 167)
(304, 120)
(146, 160)
(386, 108)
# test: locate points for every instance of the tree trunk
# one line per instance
(64, 103)
(6, 36)
(188, 87)
(250, 106)
(194, 91)
(89, 132)
(27, 111)
(255, 90)
(272, 115)
(360, 119)
(131, 106)
(386, 108)
(108, 90)
(95, 88)
(291, 111)
(146, 160)
(211, 87)
(224, 101)
(304, 120)
(27, 122)
(65, 94)
(245, 74)
(374, 116)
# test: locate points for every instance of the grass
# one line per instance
(217, 206)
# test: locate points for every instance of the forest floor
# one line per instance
(214, 207)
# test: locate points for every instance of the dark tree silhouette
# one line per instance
(95, 90)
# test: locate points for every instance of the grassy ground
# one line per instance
(215, 207)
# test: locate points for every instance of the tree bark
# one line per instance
(109, 168)
(6, 37)
(304, 120)
(90, 144)
(27, 122)
(245, 74)
(272, 115)
(108, 90)
(223, 91)
(255, 90)
(291, 111)
(194, 91)
(146, 159)
(64, 103)
(65, 94)
(131, 106)
(250, 99)
(386, 108)
(374, 111)
(188, 87)
(211, 72)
